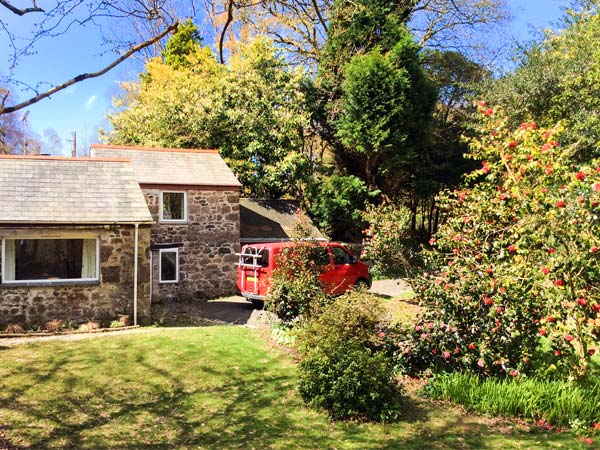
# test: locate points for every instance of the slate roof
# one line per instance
(60, 190)
(172, 166)
(270, 220)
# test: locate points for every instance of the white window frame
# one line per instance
(46, 282)
(185, 207)
(168, 250)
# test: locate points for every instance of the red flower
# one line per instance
(526, 360)
(551, 319)
(580, 176)
(560, 204)
(488, 301)
(499, 310)
(582, 301)
(569, 338)
(512, 144)
(446, 354)
(456, 351)
(514, 373)
(542, 332)
(596, 307)
(485, 169)
(550, 250)
(594, 249)
(588, 441)
(529, 157)
(591, 352)
(489, 271)
(557, 353)
(597, 187)
(381, 334)
(559, 282)
(489, 112)
(548, 169)
(596, 426)
(512, 248)
(545, 270)
(471, 346)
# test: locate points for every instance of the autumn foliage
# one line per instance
(512, 283)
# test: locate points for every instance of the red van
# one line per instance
(341, 269)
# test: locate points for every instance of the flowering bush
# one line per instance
(387, 240)
(513, 276)
(296, 290)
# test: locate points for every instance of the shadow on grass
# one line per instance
(145, 396)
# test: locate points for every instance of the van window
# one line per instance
(340, 256)
(320, 256)
(262, 260)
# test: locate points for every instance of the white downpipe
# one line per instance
(135, 275)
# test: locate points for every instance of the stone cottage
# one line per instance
(70, 229)
(91, 238)
(194, 200)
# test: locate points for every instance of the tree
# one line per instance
(252, 110)
(443, 165)
(57, 20)
(558, 79)
(374, 103)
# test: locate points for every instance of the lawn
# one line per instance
(220, 387)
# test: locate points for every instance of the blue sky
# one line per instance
(83, 106)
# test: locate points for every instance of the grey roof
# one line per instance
(59, 190)
(271, 220)
(172, 166)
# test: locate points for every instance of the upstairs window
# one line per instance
(49, 260)
(173, 206)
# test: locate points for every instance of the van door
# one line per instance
(342, 272)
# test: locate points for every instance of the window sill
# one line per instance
(168, 282)
(174, 222)
(36, 283)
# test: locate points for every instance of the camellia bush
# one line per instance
(513, 281)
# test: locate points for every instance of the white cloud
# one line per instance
(70, 90)
(89, 104)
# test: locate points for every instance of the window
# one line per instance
(340, 256)
(49, 260)
(320, 255)
(173, 206)
(169, 265)
(261, 260)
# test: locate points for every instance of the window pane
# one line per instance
(340, 256)
(173, 206)
(47, 259)
(168, 266)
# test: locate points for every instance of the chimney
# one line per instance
(74, 150)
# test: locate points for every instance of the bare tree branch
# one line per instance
(87, 76)
(21, 12)
(224, 30)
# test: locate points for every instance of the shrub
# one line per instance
(515, 260)
(559, 403)
(387, 240)
(345, 366)
(296, 290)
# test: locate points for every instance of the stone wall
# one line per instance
(207, 244)
(113, 295)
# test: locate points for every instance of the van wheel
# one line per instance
(361, 283)
(258, 304)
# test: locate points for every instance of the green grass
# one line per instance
(558, 402)
(209, 388)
